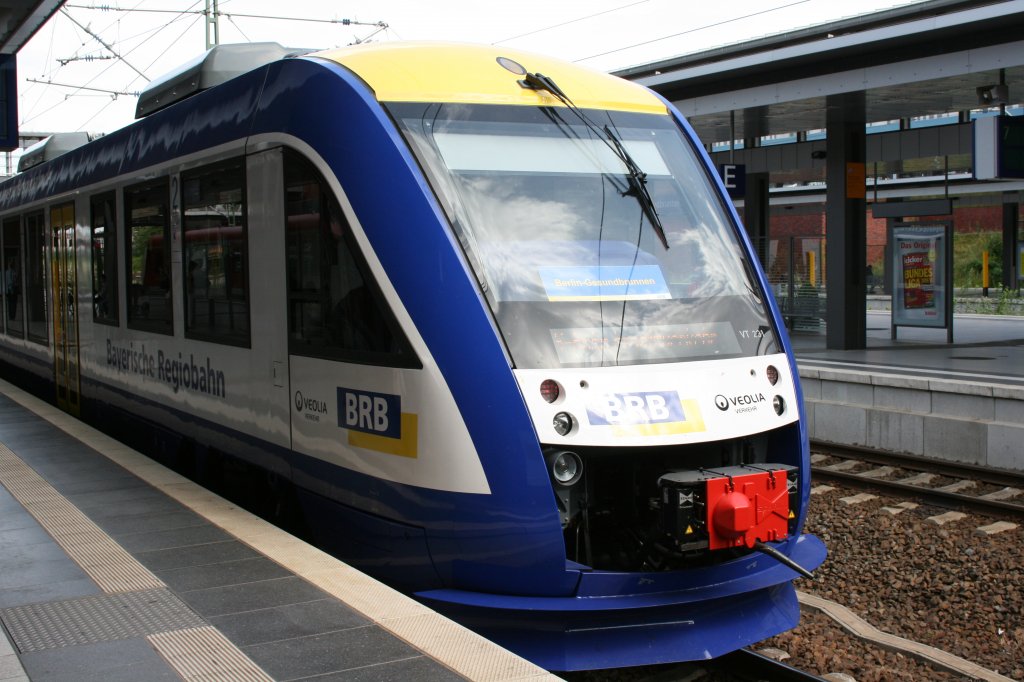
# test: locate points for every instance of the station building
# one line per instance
(833, 136)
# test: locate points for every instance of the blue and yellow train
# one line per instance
(488, 318)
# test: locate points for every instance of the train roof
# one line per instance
(51, 147)
(415, 72)
(483, 74)
(215, 66)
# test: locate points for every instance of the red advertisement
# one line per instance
(918, 279)
(920, 264)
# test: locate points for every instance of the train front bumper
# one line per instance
(628, 619)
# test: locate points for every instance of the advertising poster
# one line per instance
(921, 288)
(919, 275)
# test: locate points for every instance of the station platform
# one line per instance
(918, 394)
(114, 568)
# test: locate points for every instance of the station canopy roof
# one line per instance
(20, 19)
(923, 59)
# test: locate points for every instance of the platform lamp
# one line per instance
(993, 95)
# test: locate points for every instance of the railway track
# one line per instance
(745, 664)
(976, 489)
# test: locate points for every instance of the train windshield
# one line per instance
(554, 216)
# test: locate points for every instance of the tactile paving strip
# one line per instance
(106, 562)
(204, 654)
(101, 618)
(137, 603)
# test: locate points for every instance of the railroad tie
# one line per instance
(919, 479)
(959, 486)
(993, 528)
(900, 508)
(948, 517)
(880, 472)
(1004, 494)
(859, 498)
(845, 465)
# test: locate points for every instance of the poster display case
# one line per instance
(922, 267)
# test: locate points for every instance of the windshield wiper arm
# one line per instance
(638, 186)
(637, 178)
(538, 81)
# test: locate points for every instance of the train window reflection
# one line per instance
(215, 253)
(14, 311)
(149, 257)
(104, 259)
(335, 309)
(36, 265)
(558, 228)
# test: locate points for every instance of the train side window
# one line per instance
(103, 209)
(36, 263)
(14, 310)
(148, 256)
(216, 272)
(335, 309)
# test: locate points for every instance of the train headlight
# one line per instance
(563, 423)
(779, 404)
(773, 375)
(566, 467)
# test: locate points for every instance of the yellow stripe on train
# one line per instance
(448, 72)
(406, 446)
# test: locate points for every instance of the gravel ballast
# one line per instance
(947, 586)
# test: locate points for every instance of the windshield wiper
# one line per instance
(638, 186)
(637, 178)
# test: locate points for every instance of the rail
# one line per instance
(749, 665)
(981, 490)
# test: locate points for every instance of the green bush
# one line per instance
(967, 259)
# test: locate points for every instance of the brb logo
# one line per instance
(618, 409)
(378, 414)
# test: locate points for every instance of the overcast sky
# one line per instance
(77, 69)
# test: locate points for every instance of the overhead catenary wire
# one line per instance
(114, 93)
(102, 42)
(152, 33)
(693, 30)
(115, 47)
(64, 61)
(146, 40)
(594, 15)
(570, 21)
(180, 36)
(229, 15)
(239, 28)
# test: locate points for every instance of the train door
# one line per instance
(64, 291)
